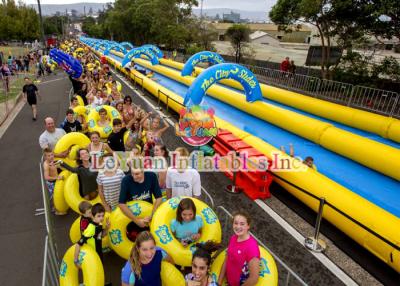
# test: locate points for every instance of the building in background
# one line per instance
(300, 35)
(231, 17)
(260, 37)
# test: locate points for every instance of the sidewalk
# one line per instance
(21, 232)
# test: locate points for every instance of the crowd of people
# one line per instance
(13, 65)
(116, 188)
(288, 66)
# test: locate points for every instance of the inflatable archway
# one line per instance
(68, 63)
(116, 47)
(137, 52)
(127, 44)
(100, 44)
(205, 56)
(155, 50)
(219, 72)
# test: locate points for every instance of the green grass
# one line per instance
(13, 51)
(15, 88)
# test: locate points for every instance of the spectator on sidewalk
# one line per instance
(26, 62)
(292, 67)
(285, 65)
(5, 73)
(31, 93)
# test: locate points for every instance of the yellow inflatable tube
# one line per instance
(92, 268)
(119, 241)
(170, 275)
(94, 116)
(268, 270)
(380, 157)
(72, 196)
(73, 140)
(80, 100)
(60, 204)
(82, 110)
(160, 228)
(119, 88)
(384, 126)
(75, 233)
(370, 215)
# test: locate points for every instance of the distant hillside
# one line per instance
(254, 16)
(50, 9)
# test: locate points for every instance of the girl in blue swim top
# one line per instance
(187, 225)
(144, 265)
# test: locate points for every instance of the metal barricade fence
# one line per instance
(286, 275)
(335, 91)
(10, 94)
(361, 97)
(51, 259)
(371, 99)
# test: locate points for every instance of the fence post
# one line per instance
(158, 100)
(233, 189)
(134, 81)
(351, 95)
(396, 102)
(314, 243)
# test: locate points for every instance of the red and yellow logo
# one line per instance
(196, 125)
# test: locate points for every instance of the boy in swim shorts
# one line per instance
(50, 172)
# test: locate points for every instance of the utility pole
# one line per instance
(41, 24)
(201, 10)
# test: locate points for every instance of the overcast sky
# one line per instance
(250, 5)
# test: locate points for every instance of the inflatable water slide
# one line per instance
(357, 153)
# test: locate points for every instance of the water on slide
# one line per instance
(373, 186)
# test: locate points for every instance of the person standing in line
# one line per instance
(50, 137)
(31, 93)
(242, 262)
(181, 180)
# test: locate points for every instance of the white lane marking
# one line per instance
(347, 280)
(48, 81)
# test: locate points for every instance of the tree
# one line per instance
(53, 25)
(162, 22)
(238, 35)
(388, 68)
(386, 22)
(93, 29)
(18, 22)
(344, 20)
